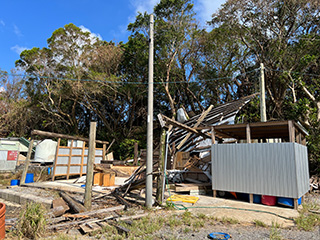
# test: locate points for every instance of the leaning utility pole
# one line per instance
(149, 163)
(263, 114)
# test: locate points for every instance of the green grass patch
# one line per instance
(275, 233)
(308, 220)
(32, 221)
(259, 223)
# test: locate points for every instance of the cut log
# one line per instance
(73, 204)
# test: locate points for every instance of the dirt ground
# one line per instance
(239, 219)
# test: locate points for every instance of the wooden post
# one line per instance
(27, 162)
(135, 158)
(291, 131)
(213, 140)
(160, 178)
(104, 152)
(82, 158)
(91, 156)
(69, 159)
(295, 203)
(56, 160)
(251, 198)
(248, 133)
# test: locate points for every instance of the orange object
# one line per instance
(2, 220)
(108, 179)
(234, 194)
(98, 179)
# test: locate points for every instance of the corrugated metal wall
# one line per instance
(276, 169)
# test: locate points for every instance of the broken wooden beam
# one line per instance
(165, 119)
(73, 204)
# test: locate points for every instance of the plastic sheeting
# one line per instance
(45, 151)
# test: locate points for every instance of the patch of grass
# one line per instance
(198, 223)
(226, 220)
(174, 221)
(308, 220)
(275, 233)
(32, 221)
(201, 216)
(259, 223)
(187, 230)
(187, 218)
(169, 205)
(144, 226)
(63, 236)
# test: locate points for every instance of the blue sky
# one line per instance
(25, 24)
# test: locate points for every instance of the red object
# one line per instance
(2, 220)
(12, 156)
(268, 200)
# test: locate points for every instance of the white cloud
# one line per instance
(17, 31)
(94, 35)
(18, 49)
(143, 5)
(205, 9)
(2, 23)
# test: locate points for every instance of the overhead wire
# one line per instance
(123, 82)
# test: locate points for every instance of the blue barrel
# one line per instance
(256, 198)
(29, 178)
(287, 201)
(15, 182)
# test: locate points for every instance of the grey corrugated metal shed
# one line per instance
(275, 169)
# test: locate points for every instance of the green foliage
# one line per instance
(259, 223)
(126, 149)
(32, 221)
(275, 233)
(308, 220)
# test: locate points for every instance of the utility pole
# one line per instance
(263, 114)
(149, 163)
(90, 161)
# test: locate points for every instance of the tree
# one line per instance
(269, 30)
(177, 46)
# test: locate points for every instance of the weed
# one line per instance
(201, 216)
(275, 232)
(186, 230)
(169, 205)
(32, 222)
(199, 223)
(259, 223)
(145, 226)
(63, 236)
(307, 220)
(174, 221)
(186, 218)
(225, 220)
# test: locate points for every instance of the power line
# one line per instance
(25, 75)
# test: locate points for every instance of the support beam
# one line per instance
(27, 162)
(58, 135)
(199, 121)
(248, 133)
(90, 162)
(182, 126)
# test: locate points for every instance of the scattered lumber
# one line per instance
(314, 183)
(184, 187)
(73, 204)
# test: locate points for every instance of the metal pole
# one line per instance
(263, 114)
(149, 163)
(90, 161)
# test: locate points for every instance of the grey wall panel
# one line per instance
(277, 169)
